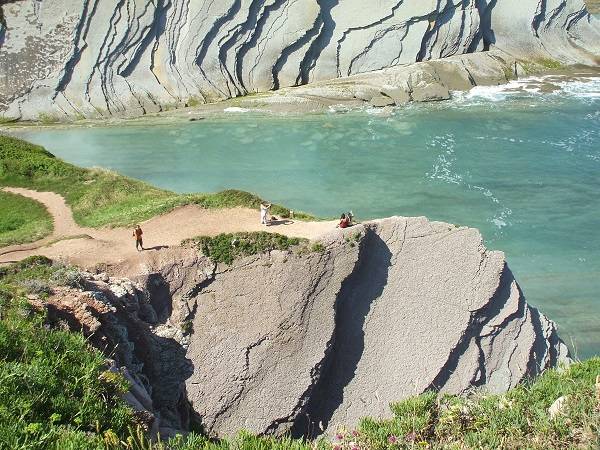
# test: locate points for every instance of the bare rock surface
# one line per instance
(285, 341)
(68, 58)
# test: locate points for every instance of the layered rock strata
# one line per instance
(294, 341)
(97, 58)
(118, 318)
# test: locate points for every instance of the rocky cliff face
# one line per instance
(295, 341)
(113, 57)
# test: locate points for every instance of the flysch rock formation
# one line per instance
(298, 340)
(396, 86)
(99, 58)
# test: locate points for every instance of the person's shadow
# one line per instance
(280, 222)
(156, 247)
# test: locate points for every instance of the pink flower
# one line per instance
(339, 436)
(337, 447)
(392, 439)
(355, 433)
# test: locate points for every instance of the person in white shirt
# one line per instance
(264, 212)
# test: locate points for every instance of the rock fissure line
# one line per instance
(354, 300)
(251, 43)
(359, 28)
(326, 29)
(291, 49)
(478, 319)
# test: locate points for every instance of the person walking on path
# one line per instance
(264, 212)
(137, 234)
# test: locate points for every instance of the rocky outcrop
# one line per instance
(118, 317)
(294, 341)
(97, 58)
(303, 340)
(396, 86)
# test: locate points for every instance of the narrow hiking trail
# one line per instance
(88, 247)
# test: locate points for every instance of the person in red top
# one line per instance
(137, 234)
(344, 221)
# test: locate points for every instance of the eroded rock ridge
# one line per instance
(299, 340)
(97, 58)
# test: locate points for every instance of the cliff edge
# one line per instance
(304, 340)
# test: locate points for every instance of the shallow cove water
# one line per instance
(522, 167)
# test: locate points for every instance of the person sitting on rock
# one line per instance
(137, 234)
(344, 221)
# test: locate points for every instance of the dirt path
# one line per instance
(88, 247)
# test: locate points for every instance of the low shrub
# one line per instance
(37, 287)
(68, 276)
(226, 247)
(317, 247)
(51, 385)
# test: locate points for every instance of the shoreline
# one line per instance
(383, 90)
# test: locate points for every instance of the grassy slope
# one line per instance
(51, 389)
(53, 395)
(100, 197)
(22, 220)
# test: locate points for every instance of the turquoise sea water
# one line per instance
(522, 167)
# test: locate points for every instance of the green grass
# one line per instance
(101, 197)
(518, 419)
(5, 120)
(55, 394)
(51, 381)
(48, 119)
(541, 65)
(226, 247)
(22, 220)
(549, 63)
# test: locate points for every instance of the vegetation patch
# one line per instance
(194, 101)
(226, 247)
(541, 65)
(103, 198)
(48, 119)
(517, 419)
(22, 220)
(317, 247)
(508, 72)
(4, 120)
(53, 386)
(549, 63)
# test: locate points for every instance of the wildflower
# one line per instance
(410, 437)
(337, 447)
(339, 436)
(355, 433)
(392, 439)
